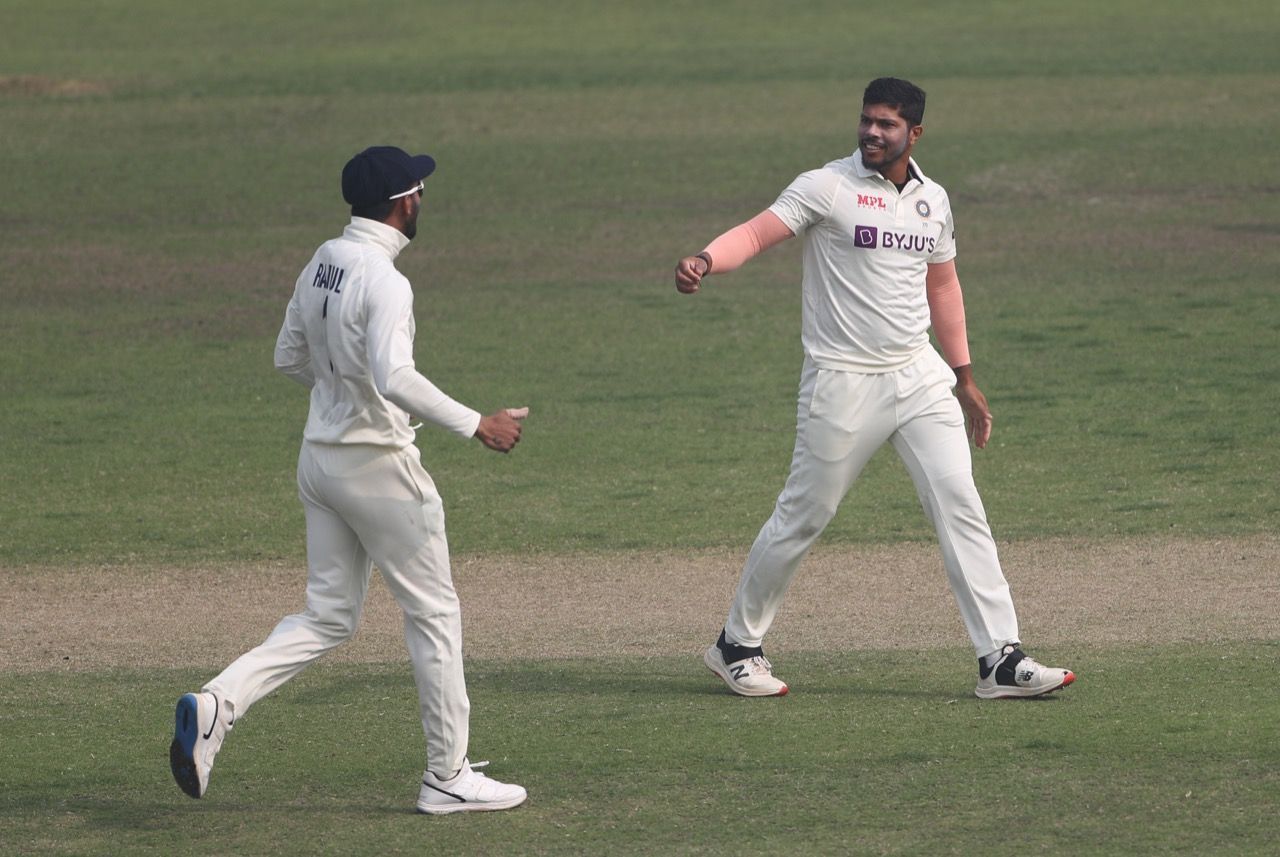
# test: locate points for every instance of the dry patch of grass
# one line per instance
(845, 598)
(40, 86)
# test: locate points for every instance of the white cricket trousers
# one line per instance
(842, 419)
(370, 505)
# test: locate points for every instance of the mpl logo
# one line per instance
(865, 236)
(867, 201)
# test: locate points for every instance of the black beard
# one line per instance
(886, 155)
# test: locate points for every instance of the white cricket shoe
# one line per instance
(748, 677)
(1016, 674)
(201, 722)
(467, 791)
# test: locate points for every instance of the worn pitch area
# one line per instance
(846, 598)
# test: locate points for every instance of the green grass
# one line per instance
(1112, 168)
(1154, 751)
(1116, 266)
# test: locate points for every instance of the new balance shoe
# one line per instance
(750, 676)
(467, 791)
(201, 722)
(1016, 674)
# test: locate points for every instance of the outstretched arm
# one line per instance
(390, 354)
(732, 249)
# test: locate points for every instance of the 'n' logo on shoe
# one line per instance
(739, 672)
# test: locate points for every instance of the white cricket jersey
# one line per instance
(348, 335)
(866, 252)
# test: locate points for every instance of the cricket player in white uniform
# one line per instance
(878, 272)
(348, 337)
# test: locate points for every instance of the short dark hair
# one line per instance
(379, 211)
(902, 95)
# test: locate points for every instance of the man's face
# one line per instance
(884, 137)
(411, 222)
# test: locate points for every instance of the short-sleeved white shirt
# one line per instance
(867, 248)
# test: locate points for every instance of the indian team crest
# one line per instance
(922, 208)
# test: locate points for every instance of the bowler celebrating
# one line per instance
(878, 272)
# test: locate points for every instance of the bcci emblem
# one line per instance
(922, 208)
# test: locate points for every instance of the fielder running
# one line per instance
(878, 271)
(348, 337)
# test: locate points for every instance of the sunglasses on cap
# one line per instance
(418, 188)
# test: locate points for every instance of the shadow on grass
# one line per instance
(129, 813)
(665, 677)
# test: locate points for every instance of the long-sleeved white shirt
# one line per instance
(348, 336)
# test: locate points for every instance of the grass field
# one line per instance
(169, 169)
(882, 753)
(1123, 309)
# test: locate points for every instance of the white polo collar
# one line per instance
(386, 238)
(865, 172)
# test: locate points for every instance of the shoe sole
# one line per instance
(487, 806)
(1005, 692)
(711, 665)
(182, 758)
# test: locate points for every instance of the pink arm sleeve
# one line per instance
(946, 312)
(746, 240)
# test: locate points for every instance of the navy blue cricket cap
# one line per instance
(380, 173)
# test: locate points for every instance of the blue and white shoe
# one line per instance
(467, 791)
(200, 723)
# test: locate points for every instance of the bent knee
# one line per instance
(336, 625)
(803, 520)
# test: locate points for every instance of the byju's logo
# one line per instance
(865, 236)
(870, 237)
